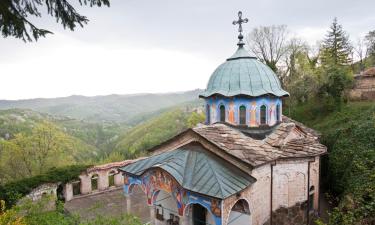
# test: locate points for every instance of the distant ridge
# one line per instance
(111, 108)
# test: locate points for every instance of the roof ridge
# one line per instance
(216, 176)
(186, 168)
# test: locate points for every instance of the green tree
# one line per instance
(336, 80)
(15, 14)
(195, 118)
(45, 146)
(370, 44)
(336, 47)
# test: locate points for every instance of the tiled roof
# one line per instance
(281, 143)
(197, 170)
(369, 72)
(234, 142)
(113, 165)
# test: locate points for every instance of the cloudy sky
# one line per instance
(157, 45)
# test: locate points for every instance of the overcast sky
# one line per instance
(157, 45)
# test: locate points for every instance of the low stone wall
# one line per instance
(295, 215)
(102, 174)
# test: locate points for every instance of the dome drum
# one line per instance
(244, 111)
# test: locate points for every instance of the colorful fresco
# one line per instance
(231, 113)
(232, 105)
(253, 114)
(153, 181)
(272, 113)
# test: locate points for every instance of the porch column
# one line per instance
(152, 214)
(128, 204)
(185, 220)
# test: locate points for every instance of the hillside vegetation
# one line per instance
(157, 130)
(349, 169)
(31, 143)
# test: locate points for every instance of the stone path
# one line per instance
(111, 203)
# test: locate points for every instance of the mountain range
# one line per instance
(109, 108)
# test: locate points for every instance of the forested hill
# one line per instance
(112, 108)
(33, 142)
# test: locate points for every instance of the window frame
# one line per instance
(208, 114)
(242, 118)
(264, 106)
(223, 117)
(278, 114)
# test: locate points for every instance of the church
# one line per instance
(247, 165)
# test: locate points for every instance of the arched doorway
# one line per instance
(197, 214)
(240, 214)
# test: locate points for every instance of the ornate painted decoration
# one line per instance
(155, 180)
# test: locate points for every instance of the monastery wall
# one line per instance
(289, 183)
(103, 174)
(289, 197)
(364, 88)
(257, 195)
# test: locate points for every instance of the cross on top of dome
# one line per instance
(240, 21)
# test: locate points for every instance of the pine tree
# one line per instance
(15, 16)
(336, 47)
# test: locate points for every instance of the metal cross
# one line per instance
(240, 21)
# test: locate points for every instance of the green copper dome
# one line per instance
(243, 74)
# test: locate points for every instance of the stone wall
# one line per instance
(289, 195)
(103, 173)
(44, 189)
(364, 88)
(294, 215)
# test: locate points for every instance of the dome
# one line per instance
(243, 74)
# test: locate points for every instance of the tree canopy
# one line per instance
(336, 46)
(15, 14)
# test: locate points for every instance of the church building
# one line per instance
(247, 165)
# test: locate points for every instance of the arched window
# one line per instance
(278, 115)
(240, 213)
(242, 115)
(263, 114)
(222, 113)
(76, 187)
(208, 111)
(94, 182)
(111, 178)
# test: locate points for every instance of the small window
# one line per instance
(242, 115)
(263, 114)
(278, 115)
(222, 113)
(111, 179)
(208, 111)
(94, 182)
